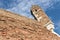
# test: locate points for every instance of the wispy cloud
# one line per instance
(24, 6)
(8, 3)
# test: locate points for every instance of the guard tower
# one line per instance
(41, 17)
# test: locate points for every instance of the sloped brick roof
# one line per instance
(17, 27)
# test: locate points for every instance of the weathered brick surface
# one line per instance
(15, 27)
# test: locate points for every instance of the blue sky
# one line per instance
(22, 7)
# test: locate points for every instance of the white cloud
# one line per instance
(23, 7)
